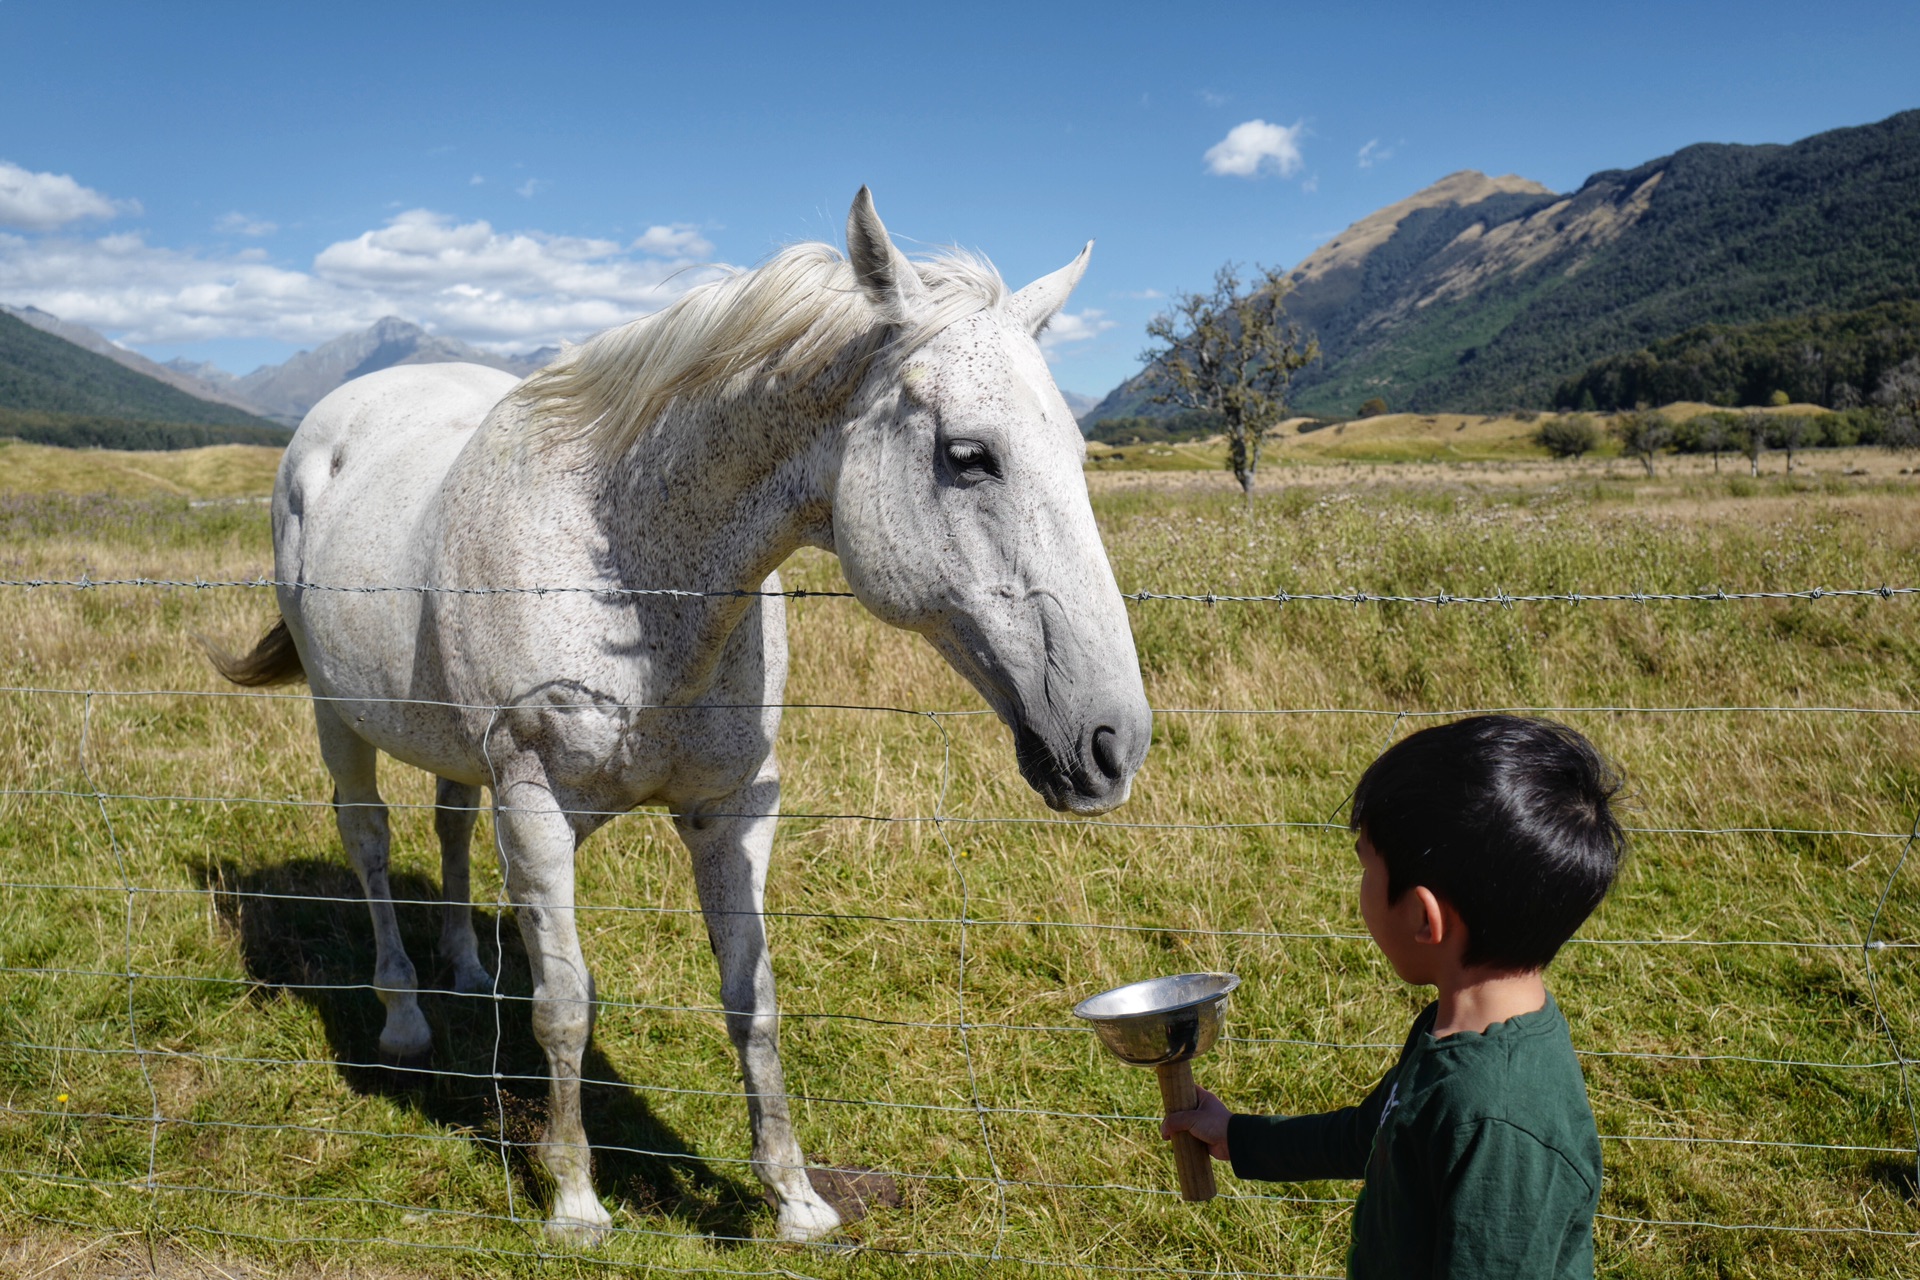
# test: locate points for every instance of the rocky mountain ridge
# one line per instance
(1479, 294)
(284, 392)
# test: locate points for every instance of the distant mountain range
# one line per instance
(1484, 294)
(1078, 404)
(284, 392)
(280, 393)
(50, 366)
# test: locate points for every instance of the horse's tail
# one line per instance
(273, 661)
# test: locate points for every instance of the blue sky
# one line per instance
(234, 181)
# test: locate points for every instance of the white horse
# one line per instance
(898, 414)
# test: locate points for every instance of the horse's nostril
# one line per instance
(1106, 753)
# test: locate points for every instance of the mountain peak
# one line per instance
(288, 390)
(1467, 186)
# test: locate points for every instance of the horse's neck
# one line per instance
(714, 496)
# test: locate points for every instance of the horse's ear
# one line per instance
(1041, 301)
(885, 275)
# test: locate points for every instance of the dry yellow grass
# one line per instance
(220, 471)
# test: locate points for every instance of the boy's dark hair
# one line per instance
(1505, 817)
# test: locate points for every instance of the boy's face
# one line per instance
(1395, 926)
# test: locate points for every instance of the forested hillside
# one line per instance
(1836, 359)
(43, 373)
(1502, 300)
(54, 392)
(1729, 235)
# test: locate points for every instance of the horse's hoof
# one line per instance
(579, 1233)
(410, 1070)
(804, 1221)
(472, 981)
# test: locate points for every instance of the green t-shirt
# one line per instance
(1479, 1153)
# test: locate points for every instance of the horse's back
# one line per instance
(369, 455)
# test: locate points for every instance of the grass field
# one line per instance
(1721, 995)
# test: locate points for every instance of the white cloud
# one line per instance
(1310, 185)
(1211, 98)
(532, 187)
(240, 224)
(681, 240)
(1067, 328)
(505, 289)
(477, 180)
(1373, 153)
(1146, 295)
(1256, 147)
(42, 201)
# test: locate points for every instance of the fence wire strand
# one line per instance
(1872, 947)
(1441, 599)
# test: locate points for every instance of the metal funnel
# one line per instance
(1163, 1023)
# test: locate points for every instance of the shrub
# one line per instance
(1568, 436)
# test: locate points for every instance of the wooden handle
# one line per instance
(1190, 1155)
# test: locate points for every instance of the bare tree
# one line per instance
(1642, 435)
(1233, 354)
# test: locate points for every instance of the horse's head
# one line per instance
(961, 513)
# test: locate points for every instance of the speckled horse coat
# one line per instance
(896, 413)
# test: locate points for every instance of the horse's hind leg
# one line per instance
(361, 815)
(730, 855)
(456, 809)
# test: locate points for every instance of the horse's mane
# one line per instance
(796, 317)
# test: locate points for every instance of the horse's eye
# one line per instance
(969, 460)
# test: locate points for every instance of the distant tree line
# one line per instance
(1644, 435)
(1188, 424)
(81, 431)
(1836, 359)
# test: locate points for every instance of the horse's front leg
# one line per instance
(536, 852)
(730, 855)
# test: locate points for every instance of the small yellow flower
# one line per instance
(61, 1098)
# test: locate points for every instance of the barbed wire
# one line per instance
(1356, 598)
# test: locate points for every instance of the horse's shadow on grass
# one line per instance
(303, 929)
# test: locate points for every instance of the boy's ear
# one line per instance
(1436, 923)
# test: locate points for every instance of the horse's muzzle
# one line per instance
(1091, 776)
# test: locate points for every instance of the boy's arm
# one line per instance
(1333, 1144)
(1510, 1206)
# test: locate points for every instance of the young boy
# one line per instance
(1483, 845)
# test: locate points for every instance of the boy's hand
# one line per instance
(1207, 1122)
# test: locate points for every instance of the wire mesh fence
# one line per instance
(955, 1010)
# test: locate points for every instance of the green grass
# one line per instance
(259, 951)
